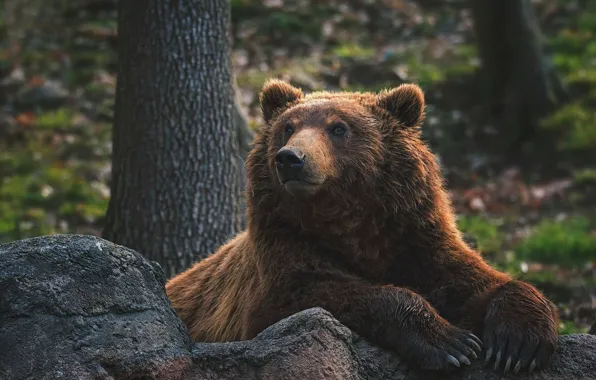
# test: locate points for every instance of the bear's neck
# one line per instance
(361, 228)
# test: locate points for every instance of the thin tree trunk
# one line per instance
(175, 166)
(521, 83)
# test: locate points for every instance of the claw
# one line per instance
(453, 360)
(532, 366)
(463, 359)
(507, 365)
(478, 341)
(497, 360)
(475, 345)
(488, 355)
(517, 367)
(473, 354)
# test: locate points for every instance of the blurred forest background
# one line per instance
(523, 180)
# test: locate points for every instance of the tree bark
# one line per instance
(521, 83)
(175, 165)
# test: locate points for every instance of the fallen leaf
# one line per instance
(36, 81)
(25, 119)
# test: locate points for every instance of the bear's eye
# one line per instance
(289, 129)
(339, 129)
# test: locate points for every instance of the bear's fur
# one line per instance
(367, 232)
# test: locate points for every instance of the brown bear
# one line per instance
(347, 211)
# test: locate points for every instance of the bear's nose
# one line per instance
(289, 160)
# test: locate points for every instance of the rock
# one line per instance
(307, 345)
(74, 306)
(50, 94)
(79, 306)
(313, 345)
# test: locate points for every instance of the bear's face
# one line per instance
(319, 144)
(332, 143)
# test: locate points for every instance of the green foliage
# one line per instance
(290, 24)
(424, 73)
(49, 182)
(568, 243)
(572, 49)
(574, 56)
(353, 51)
(577, 124)
(587, 20)
(253, 79)
(585, 176)
(568, 327)
(536, 278)
(41, 197)
(59, 119)
(462, 62)
(483, 230)
(54, 155)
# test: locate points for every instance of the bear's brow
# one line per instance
(332, 119)
(324, 111)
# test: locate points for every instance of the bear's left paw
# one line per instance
(517, 352)
(520, 330)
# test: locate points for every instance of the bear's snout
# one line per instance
(289, 162)
(293, 173)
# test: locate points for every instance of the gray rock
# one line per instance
(75, 306)
(50, 95)
(313, 345)
(81, 307)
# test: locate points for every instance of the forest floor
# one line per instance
(532, 213)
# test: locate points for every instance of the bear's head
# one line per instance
(333, 155)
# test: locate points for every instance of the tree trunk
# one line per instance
(175, 166)
(521, 83)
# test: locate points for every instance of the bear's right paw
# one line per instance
(443, 350)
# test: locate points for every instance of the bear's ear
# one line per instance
(276, 95)
(405, 103)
